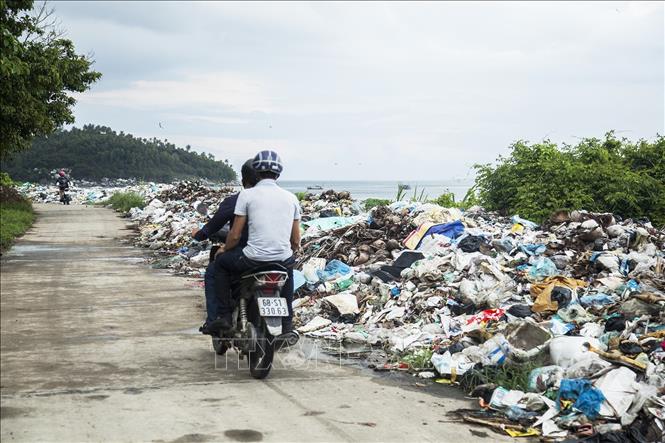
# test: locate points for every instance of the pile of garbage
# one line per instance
(165, 225)
(328, 204)
(85, 193)
(575, 308)
(558, 329)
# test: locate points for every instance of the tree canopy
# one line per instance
(38, 71)
(96, 152)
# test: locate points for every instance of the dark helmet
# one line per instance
(268, 161)
(248, 173)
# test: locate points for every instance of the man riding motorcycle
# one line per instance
(273, 217)
(224, 215)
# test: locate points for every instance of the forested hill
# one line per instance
(95, 152)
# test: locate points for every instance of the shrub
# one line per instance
(447, 199)
(300, 196)
(16, 215)
(6, 180)
(607, 175)
(124, 201)
(374, 202)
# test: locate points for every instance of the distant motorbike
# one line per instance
(257, 317)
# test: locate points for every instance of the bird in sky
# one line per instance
(160, 125)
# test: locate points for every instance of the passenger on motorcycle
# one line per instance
(273, 217)
(224, 215)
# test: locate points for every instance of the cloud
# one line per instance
(226, 91)
(430, 87)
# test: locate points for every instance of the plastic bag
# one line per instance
(533, 249)
(565, 351)
(588, 399)
(334, 269)
(448, 364)
(574, 313)
(587, 368)
(505, 398)
(523, 222)
(471, 243)
(491, 353)
(541, 268)
(311, 267)
(597, 300)
(619, 390)
(540, 379)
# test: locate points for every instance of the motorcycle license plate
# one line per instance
(273, 307)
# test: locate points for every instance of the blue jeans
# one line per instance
(212, 303)
(233, 263)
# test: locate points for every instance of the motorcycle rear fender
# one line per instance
(274, 325)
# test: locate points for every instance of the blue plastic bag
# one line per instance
(587, 398)
(541, 268)
(533, 249)
(298, 279)
(334, 269)
(599, 299)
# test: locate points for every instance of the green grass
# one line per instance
(300, 196)
(418, 359)
(511, 375)
(124, 201)
(15, 219)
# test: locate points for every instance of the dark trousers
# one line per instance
(212, 303)
(234, 263)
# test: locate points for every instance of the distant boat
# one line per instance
(315, 188)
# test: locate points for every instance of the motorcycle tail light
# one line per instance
(271, 280)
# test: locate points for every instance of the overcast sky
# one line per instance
(371, 90)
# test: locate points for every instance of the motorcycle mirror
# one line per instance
(202, 209)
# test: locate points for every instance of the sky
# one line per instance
(376, 90)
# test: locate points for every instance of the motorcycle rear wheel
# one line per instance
(260, 360)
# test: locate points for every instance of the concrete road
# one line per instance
(97, 346)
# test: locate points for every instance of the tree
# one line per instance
(96, 152)
(38, 71)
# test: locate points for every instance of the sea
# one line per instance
(362, 190)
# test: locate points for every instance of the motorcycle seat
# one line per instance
(264, 268)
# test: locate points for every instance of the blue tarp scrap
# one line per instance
(452, 230)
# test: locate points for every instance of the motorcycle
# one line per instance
(257, 319)
(65, 198)
(256, 331)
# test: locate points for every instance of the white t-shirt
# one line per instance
(270, 212)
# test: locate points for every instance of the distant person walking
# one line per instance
(63, 185)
